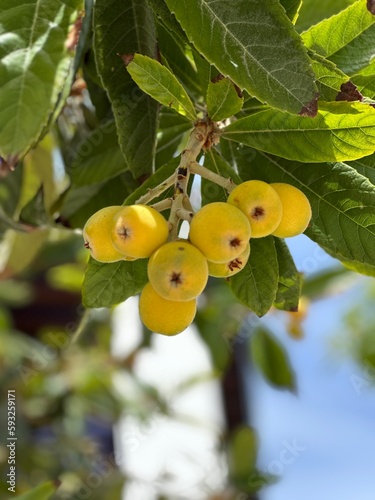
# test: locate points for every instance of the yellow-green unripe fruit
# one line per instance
(165, 316)
(260, 203)
(97, 235)
(296, 210)
(139, 230)
(178, 271)
(230, 268)
(220, 231)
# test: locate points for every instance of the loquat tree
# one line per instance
(122, 120)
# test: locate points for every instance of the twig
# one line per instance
(228, 184)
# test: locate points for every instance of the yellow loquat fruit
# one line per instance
(220, 231)
(260, 203)
(138, 231)
(227, 269)
(97, 235)
(178, 271)
(296, 210)
(165, 316)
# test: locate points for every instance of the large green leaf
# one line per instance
(341, 131)
(105, 285)
(290, 280)
(98, 157)
(35, 55)
(365, 166)
(122, 29)
(254, 44)
(272, 360)
(309, 14)
(157, 81)
(346, 38)
(162, 12)
(365, 81)
(342, 201)
(256, 285)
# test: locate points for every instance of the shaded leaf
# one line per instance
(163, 13)
(216, 163)
(290, 280)
(255, 45)
(329, 76)
(365, 166)
(35, 62)
(107, 284)
(292, 8)
(157, 81)
(341, 131)
(121, 29)
(222, 99)
(256, 285)
(271, 359)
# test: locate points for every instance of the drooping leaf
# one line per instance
(158, 82)
(290, 280)
(342, 201)
(35, 56)
(222, 99)
(344, 37)
(341, 131)
(119, 30)
(272, 360)
(210, 191)
(98, 157)
(254, 44)
(106, 284)
(256, 285)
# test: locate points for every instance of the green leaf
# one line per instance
(242, 452)
(35, 57)
(256, 285)
(172, 130)
(329, 76)
(365, 166)
(169, 20)
(292, 8)
(98, 157)
(365, 81)
(272, 360)
(358, 54)
(157, 178)
(333, 34)
(106, 284)
(157, 81)
(290, 280)
(254, 44)
(42, 492)
(216, 163)
(127, 28)
(223, 100)
(341, 131)
(310, 15)
(342, 202)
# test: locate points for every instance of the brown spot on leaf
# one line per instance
(217, 78)
(349, 92)
(126, 58)
(311, 108)
(371, 6)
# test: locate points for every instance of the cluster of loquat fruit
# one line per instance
(218, 245)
